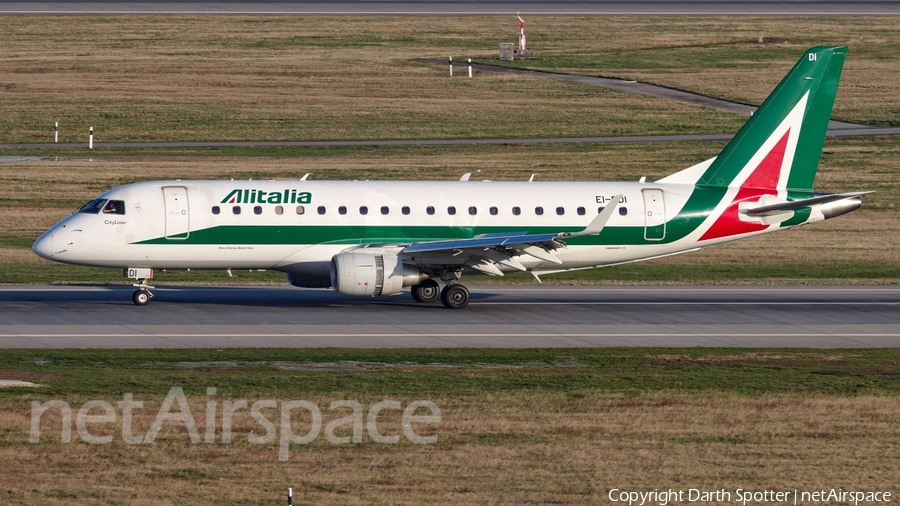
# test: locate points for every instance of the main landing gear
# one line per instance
(453, 296)
(142, 295)
(427, 291)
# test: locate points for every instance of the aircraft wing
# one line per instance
(483, 241)
(501, 247)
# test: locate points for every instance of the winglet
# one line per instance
(597, 224)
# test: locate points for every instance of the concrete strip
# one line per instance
(16, 383)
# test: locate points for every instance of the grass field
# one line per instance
(525, 426)
(721, 56)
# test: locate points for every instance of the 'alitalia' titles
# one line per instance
(249, 196)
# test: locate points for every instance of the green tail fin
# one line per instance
(780, 146)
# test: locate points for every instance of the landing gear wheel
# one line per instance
(455, 296)
(426, 292)
(141, 297)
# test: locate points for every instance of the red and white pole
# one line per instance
(521, 34)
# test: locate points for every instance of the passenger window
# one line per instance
(257, 209)
(236, 209)
(516, 211)
(301, 209)
(279, 210)
(600, 210)
(451, 210)
(321, 210)
(623, 211)
(215, 209)
(429, 209)
(93, 207)
(404, 209)
(342, 210)
(363, 210)
(114, 207)
(581, 211)
(494, 211)
(538, 210)
(560, 211)
(385, 210)
(473, 210)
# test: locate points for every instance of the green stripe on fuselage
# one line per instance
(697, 208)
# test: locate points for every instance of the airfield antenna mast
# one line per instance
(521, 34)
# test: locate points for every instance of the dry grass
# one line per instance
(293, 78)
(496, 449)
(307, 78)
(721, 57)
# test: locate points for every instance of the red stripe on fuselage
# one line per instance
(762, 181)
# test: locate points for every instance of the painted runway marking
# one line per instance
(514, 334)
(759, 303)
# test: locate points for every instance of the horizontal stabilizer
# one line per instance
(799, 204)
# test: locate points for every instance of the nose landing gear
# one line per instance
(141, 296)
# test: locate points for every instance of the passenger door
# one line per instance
(178, 219)
(654, 215)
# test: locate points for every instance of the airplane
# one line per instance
(375, 238)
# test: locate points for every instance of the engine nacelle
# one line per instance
(308, 281)
(358, 273)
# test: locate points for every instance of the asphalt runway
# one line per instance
(501, 317)
(442, 7)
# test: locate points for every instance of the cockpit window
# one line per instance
(93, 207)
(114, 207)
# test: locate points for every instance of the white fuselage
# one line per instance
(173, 224)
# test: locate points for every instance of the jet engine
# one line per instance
(358, 273)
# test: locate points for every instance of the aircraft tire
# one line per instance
(455, 296)
(426, 292)
(141, 297)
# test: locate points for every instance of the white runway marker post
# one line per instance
(56, 132)
(450, 62)
(91, 138)
(470, 68)
(290, 497)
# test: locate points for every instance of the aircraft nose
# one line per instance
(43, 247)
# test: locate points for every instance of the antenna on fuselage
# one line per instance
(531, 179)
(304, 177)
